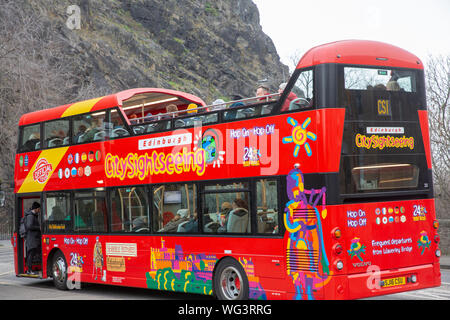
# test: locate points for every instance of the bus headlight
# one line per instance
(438, 253)
(339, 265)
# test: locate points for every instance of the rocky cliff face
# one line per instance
(208, 48)
(213, 49)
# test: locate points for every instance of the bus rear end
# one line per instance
(383, 228)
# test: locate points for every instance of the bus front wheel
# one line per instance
(230, 281)
(59, 271)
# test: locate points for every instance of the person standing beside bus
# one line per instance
(33, 235)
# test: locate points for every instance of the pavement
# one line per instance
(445, 260)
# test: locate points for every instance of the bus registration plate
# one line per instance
(392, 282)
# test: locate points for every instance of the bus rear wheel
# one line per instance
(59, 271)
(230, 281)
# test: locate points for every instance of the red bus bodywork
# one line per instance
(356, 250)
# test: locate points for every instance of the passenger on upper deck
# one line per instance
(230, 115)
(92, 130)
(291, 96)
(172, 108)
(218, 104)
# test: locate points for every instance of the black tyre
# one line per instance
(230, 281)
(59, 271)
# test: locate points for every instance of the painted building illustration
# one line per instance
(171, 269)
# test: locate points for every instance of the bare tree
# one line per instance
(35, 74)
(438, 100)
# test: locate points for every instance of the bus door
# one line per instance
(24, 204)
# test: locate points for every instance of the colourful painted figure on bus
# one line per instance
(423, 242)
(307, 262)
(98, 260)
(356, 249)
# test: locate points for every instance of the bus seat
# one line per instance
(180, 226)
(55, 142)
(179, 123)
(139, 129)
(210, 118)
(99, 136)
(119, 132)
(80, 138)
(238, 224)
(266, 109)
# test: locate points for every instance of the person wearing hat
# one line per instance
(33, 235)
(291, 96)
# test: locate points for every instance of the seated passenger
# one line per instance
(291, 96)
(172, 225)
(192, 108)
(392, 85)
(140, 225)
(231, 115)
(32, 141)
(190, 226)
(238, 217)
(92, 130)
(133, 118)
(172, 110)
(81, 130)
(57, 214)
(218, 104)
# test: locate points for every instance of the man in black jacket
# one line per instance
(33, 235)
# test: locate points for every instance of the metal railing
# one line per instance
(5, 231)
(248, 102)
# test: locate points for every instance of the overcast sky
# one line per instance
(419, 26)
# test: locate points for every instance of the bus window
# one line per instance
(58, 217)
(226, 208)
(31, 138)
(90, 212)
(379, 79)
(130, 210)
(116, 126)
(175, 208)
(301, 95)
(380, 94)
(267, 206)
(89, 127)
(385, 176)
(56, 133)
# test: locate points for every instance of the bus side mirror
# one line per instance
(2, 198)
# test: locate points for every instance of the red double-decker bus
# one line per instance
(323, 191)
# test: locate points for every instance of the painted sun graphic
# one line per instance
(300, 136)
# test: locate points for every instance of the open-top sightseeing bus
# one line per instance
(321, 192)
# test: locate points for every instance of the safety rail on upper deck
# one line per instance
(213, 113)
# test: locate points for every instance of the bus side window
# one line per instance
(175, 208)
(301, 95)
(226, 209)
(30, 138)
(56, 133)
(89, 128)
(90, 212)
(58, 215)
(267, 206)
(115, 126)
(130, 210)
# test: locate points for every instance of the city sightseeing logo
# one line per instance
(42, 170)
